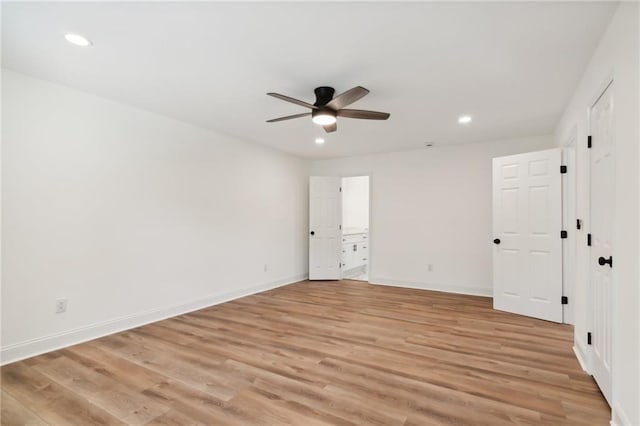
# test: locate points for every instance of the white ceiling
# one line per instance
(512, 66)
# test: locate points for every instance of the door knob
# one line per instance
(496, 241)
(602, 261)
(312, 233)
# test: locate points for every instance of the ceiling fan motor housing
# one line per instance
(324, 95)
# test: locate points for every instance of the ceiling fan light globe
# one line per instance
(324, 119)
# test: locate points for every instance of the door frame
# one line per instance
(371, 238)
(589, 309)
(569, 217)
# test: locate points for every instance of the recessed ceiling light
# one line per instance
(319, 141)
(464, 119)
(78, 40)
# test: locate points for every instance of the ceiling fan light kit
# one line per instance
(327, 108)
(323, 116)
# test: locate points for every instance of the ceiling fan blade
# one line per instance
(292, 100)
(330, 127)
(347, 98)
(360, 113)
(289, 117)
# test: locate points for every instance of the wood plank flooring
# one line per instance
(315, 353)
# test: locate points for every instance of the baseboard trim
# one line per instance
(619, 417)
(470, 291)
(577, 350)
(41, 345)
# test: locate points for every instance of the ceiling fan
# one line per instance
(326, 108)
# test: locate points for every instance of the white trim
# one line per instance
(40, 345)
(619, 417)
(581, 360)
(471, 291)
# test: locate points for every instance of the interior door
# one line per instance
(600, 257)
(569, 221)
(325, 228)
(527, 220)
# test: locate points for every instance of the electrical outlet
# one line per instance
(61, 306)
(266, 267)
(430, 267)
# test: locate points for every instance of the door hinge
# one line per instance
(564, 300)
(589, 240)
(563, 169)
(340, 189)
(340, 227)
(339, 265)
(578, 224)
(589, 141)
(589, 338)
(563, 234)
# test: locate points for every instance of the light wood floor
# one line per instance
(312, 353)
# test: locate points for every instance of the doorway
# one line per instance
(339, 237)
(355, 228)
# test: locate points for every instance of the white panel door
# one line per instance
(527, 220)
(325, 228)
(569, 219)
(600, 257)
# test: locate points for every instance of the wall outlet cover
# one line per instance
(61, 306)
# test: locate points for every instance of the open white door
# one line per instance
(600, 257)
(325, 228)
(527, 220)
(569, 222)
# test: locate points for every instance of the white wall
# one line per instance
(432, 206)
(355, 203)
(132, 216)
(616, 58)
